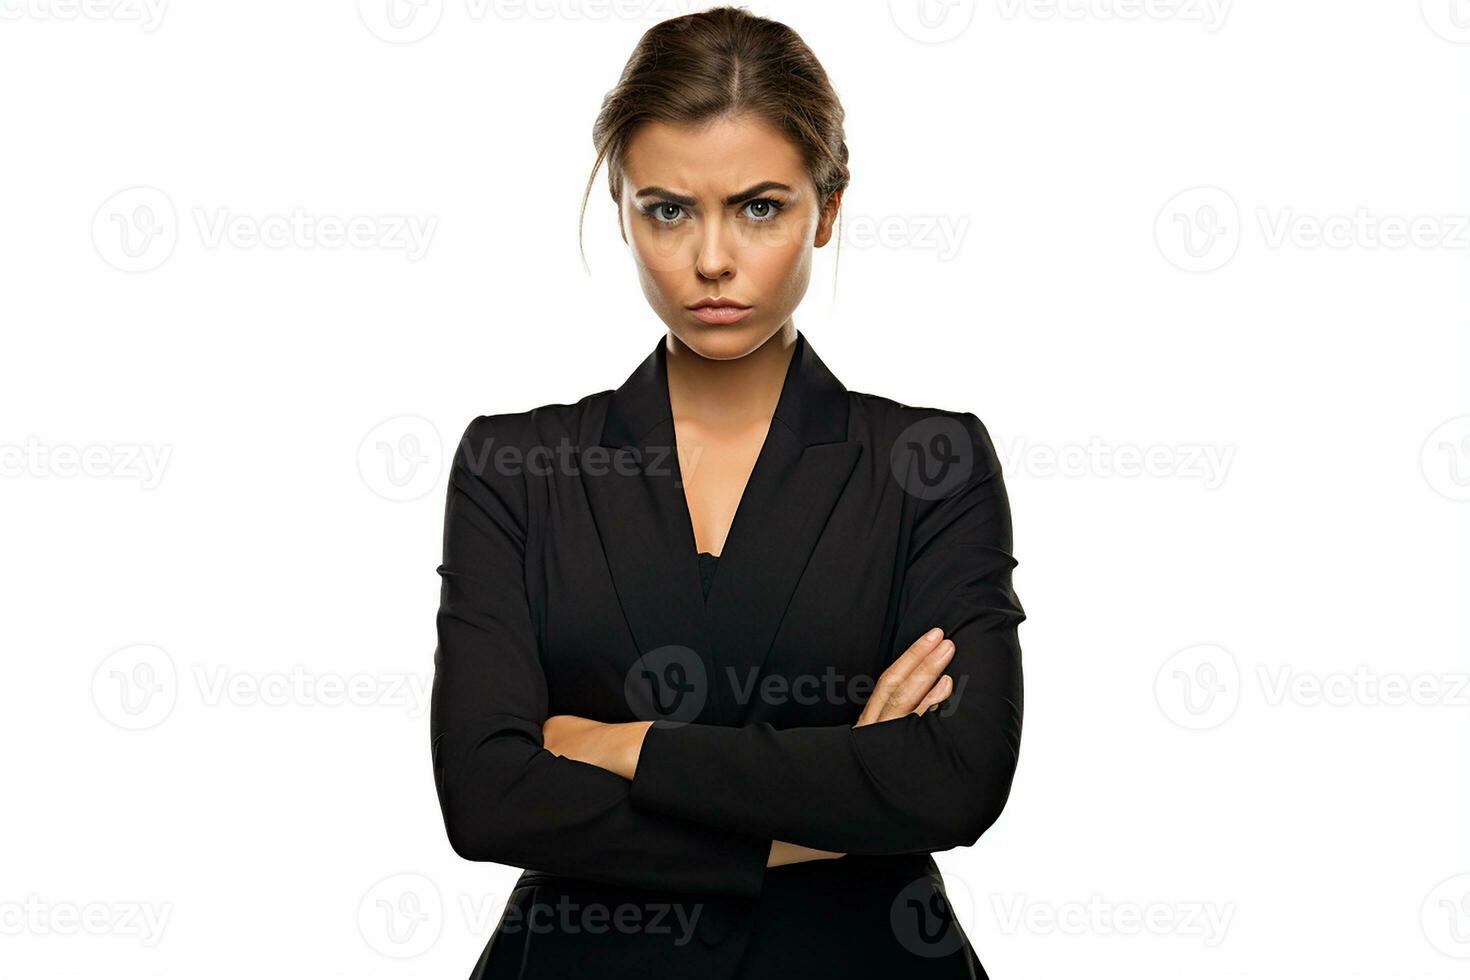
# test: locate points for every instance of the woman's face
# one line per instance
(724, 210)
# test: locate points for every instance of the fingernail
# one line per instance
(933, 634)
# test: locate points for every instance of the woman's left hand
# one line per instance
(613, 747)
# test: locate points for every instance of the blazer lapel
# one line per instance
(797, 480)
(638, 504)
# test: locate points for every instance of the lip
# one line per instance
(719, 311)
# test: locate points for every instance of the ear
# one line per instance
(827, 219)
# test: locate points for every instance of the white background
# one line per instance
(1226, 239)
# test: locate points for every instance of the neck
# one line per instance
(729, 393)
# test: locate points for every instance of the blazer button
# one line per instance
(712, 926)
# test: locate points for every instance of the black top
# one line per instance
(707, 563)
(865, 522)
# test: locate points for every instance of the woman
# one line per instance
(726, 653)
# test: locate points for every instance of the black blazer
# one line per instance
(570, 585)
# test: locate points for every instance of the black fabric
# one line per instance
(570, 585)
(707, 563)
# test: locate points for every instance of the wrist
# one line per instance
(629, 746)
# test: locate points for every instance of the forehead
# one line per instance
(712, 158)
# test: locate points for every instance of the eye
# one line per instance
(767, 209)
(659, 214)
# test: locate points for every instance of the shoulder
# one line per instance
(898, 430)
(543, 426)
(518, 443)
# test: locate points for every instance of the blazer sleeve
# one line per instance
(504, 797)
(910, 784)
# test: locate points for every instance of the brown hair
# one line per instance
(723, 62)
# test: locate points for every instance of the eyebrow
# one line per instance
(740, 198)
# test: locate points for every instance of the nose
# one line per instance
(716, 258)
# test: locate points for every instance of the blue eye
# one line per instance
(772, 209)
(654, 211)
(767, 209)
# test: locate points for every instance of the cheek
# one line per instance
(662, 256)
(782, 266)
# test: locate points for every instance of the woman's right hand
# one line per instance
(915, 682)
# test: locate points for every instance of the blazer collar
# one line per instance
(647, 537)
(813, 403)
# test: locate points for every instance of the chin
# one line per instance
(722, 343)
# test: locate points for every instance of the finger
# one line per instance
(906, 697)
(895, 673)
(941, 690)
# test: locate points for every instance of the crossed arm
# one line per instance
(915, 683)
(708, 808)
